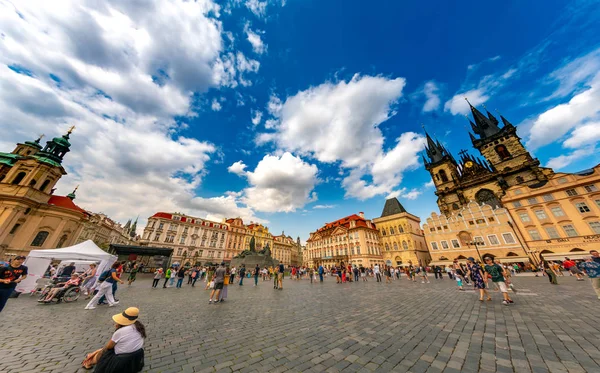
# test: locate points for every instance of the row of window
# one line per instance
(492, 239)
(549, 197)
(569, 230)
(21, 175)
(392, 231)
(471, 222)
(200, 253)
(557, 211)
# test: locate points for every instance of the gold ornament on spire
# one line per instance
(70, 130)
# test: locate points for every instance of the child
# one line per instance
(459, 281)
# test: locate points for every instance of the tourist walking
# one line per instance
(180, 277)
(173, 275)
(571, 266)
(321, 270)
(479, 278)
(497, 273)
(388, 275)
(552, 275)
(124, 352)
(226, 282)
(256, 274)
(132, 274)
(232, 275)
(219, 279)
(242, 274)
(195, 275)
(157, 275)
(423, 273)
(595, 255)
(592, 269)
(106, 279)
(377, 272)
(280, 276)
(89, 279)
(356, 273)
(168, 275)
(10, 276)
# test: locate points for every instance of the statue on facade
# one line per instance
(266, 251)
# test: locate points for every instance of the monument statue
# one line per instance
(267, 250)
(251, 258)
(252, 244)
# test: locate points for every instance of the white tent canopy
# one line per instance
(38, 261)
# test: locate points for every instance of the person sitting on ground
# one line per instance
(74, 281)
(124, 353)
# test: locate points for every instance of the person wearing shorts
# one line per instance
(571, 266)
(281, 268)
(219, 279)
(497, 273)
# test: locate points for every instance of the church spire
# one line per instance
(486, 126)
(435, 151)
(72, 194)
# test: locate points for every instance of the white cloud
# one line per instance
(554, 123)
(280, 184)
(338, 122)
(429, 184)
(258, 46)
(430, 90)
(458, 104)
(320, 207)
(259, 8)
(256, 117)
(573, 74)
(563, 161)
(586, 134)
(216, 105)
(121, 80)
(237, 168)
(404, 193)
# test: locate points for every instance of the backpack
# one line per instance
(104, 275)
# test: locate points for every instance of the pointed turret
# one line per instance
(506, 122)
(473, 139)
(491, 117)
(133, 228)
(485, 126)
(127, 225)
(435, 151)
(392, 207)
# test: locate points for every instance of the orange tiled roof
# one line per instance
(66, 202)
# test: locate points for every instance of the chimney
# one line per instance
(361, 214)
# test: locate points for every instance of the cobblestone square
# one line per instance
(329, 327)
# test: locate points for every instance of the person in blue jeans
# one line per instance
(256, 274)
(180, 277)
(321, 270)
(242, 274)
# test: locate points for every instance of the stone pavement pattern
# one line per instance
(353, 327)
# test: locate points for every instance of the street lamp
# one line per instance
(474, 242)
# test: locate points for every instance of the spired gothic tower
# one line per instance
(507, 163)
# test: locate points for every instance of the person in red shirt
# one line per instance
(571, 266)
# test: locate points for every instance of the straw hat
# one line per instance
(128, 317)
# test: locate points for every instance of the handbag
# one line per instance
(211, 285)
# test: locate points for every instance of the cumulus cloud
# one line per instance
(458, 105)
(112, 69)
(238, 168)
(338, 122)
(431, 92)
(557, 121)
(280, 184)
(215, 105)
(259, 8)
(563, 161)
(320, 207)
(586, 134)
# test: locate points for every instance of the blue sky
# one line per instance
(294, 113)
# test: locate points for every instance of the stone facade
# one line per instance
(352, 239)
(282, 249)
(193, 240)
(507, 163)
(452, 237)
(236, 239)
(559, 217)
(401, 236)
(104, 231)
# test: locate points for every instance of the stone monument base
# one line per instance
(251, 260)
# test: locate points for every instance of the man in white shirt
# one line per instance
(377, 272)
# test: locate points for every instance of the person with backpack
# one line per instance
(321, 270)
(479, 278)
(105, 287)
(180, 277)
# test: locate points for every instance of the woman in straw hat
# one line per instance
(124, 351)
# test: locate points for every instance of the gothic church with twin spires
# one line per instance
(506, 163)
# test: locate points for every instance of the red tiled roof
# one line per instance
(162, 215)
(66, 202)
(345, 222)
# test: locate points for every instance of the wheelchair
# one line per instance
(67, 295)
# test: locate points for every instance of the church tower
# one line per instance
(503, 150)
(443, 169)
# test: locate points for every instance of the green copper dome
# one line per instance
(62, 141)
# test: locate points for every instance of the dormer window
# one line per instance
(502, 151)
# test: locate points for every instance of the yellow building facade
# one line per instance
(282, 249)
(236, 240)
(350, 240)
(474, 231)
(559, 217)
(403, 242)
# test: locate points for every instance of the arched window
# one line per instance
(395, 246)
(44, 185)
(400, 229)
(392, 230)
(32, 183)
(443, 175)
(383, 231)
(502, 151)
(520, 179)
(20, 176)
(455, 206)
(387, 247)
(40, 238)
(404, 245)
(62, 241)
